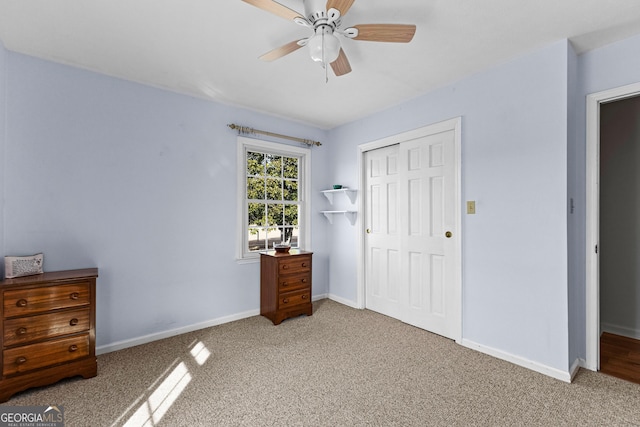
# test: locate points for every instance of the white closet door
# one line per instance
(411, 223)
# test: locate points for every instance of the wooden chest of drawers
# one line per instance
(285, 285)
(48, 329)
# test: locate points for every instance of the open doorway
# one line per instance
(613, 228)
(619, 246)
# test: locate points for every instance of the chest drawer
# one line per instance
(36, 300)
(291, 299)
(288, 283)
(34, 356)
(294, 265)
(22, 330)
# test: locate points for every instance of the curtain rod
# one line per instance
(244, 129)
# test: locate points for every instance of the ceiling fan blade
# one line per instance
(394, 33)
(275, 8)
(342, 5)
(281, 51)
(341, 65)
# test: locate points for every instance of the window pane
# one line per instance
(291, 213)
(255, 188)
(274, 165)
(256, 214)
(273, 237)
(255, 163)
(294, 233)
(290, 168)
(257, 240)
(291, 190)
(275, 214)
(274, 189)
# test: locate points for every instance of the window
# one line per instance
(273, 194)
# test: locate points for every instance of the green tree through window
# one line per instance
(273, 200)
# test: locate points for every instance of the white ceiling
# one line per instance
(210, 48)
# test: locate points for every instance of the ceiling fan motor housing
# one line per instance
(316, 13)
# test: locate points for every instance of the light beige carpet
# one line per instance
(339, 367)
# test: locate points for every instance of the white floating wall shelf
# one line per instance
(351, 215)
(351, 194)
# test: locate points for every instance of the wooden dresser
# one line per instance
(285, 284)
(48, 329)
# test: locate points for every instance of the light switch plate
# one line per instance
(471, 207)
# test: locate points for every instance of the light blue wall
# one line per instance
(514, 165)
(141, 183)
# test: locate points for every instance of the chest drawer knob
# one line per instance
(286, 300)
(73, 322)
(21, 360)
(304, 280)
(21, 302)
(73, 348)
(21, 331)
(304, 264)
(74, 295)
(304, 297)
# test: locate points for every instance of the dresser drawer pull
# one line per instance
(286, 300)
(21, 302)
(21, 331)
(285, 267)
(73, 348)
(73, 322)
(74, 295)
(21, 360)
(284, 284)
(304, 280)
(304, 297)
(304, 264)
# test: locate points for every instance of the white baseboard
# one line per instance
(520, 361)
(319, 297)
(120, 345)
(575, 367)
(620, 330)
(344, 301)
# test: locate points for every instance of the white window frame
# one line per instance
(245, 144)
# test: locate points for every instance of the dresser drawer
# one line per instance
(34, 356)
(36, 300)
(288, 283)
(293, 265)
(22, 330)
(291, 299)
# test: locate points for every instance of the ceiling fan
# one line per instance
(325, 20)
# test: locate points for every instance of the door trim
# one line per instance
(592, 202)
(455, 125)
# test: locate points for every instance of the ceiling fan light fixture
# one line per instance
(324, 46)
